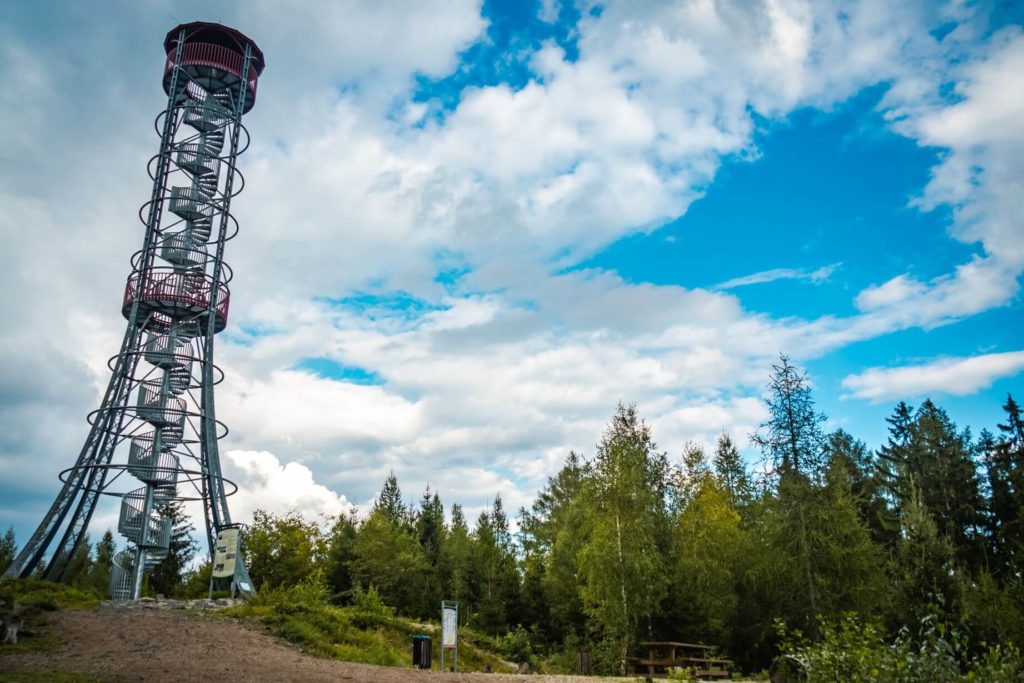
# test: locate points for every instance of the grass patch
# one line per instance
(368, 633)
(35, 598)
(45, 595)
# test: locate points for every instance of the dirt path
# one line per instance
(159, 645)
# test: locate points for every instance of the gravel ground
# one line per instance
(179, 645)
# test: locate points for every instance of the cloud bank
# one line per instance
(432, 239)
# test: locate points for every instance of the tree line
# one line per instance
(630, 545)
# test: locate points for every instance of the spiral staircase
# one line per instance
(175, 292)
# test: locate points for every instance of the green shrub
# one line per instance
(680, 675)
(515, 646)
(46, 595)
(857, 651)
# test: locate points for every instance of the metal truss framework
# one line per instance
(160, 398)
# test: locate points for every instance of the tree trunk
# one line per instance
(625, 605)
(812, 593)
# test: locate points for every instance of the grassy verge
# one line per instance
(367, 632)
(36, 598)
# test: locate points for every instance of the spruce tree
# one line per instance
(928, 460)
(926, 576)
(340, 553)
(843, 450)
(458, 559)
(431, 534)
(491, 613)
(952, 487)
(1004, 465)
(792, 436)
(78, 569)
(166, 578)
(8, 549)
(390, 502)
(732, 471)
(99, 573)
(793, 441)
(848, 566)
(552, 534)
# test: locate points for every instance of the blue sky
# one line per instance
(469, 230)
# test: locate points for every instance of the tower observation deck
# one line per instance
(156, 423)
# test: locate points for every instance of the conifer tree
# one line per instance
(925, 571)
(732, 471)
(458, 559)
(340, 553)
(166, 578)
(843, 450)
(508, 568)
(896, 465)
(847, 565)
(793, 441)
(99, 573)
(494, 571)
(553, 536)
(390, 502)
(430, 531)
(1004, 464)
(792, 437)
(77, 571)
(928, 460)
(8, 549)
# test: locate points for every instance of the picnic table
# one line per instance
(664, 656)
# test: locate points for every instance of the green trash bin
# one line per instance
(421, 652)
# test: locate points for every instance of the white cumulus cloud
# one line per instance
(264, 483)
(955, 376)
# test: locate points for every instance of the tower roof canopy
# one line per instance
(216, 34)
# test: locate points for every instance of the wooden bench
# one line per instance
(662, 657)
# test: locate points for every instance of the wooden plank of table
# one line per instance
(698, 646)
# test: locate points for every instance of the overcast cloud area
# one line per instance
(405, 295)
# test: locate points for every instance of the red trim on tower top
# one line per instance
(216, 34)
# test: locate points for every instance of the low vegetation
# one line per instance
(30, 599)
(851, 649)
(366, 631)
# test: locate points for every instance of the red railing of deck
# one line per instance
(193, 291)
(208, 54)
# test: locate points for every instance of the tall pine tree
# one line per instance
(793, 441)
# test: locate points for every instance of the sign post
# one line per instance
(449, 631)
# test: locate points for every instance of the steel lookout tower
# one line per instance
(156, 425)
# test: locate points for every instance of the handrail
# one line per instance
(191, 289)
(217, 56)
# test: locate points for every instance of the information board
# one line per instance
(224, 553)
(449, 625)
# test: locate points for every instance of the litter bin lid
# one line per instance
(421, 637)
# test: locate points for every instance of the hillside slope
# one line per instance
(176, 645)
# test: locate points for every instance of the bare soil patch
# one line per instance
(179, 645)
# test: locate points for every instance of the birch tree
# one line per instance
(622, 561)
